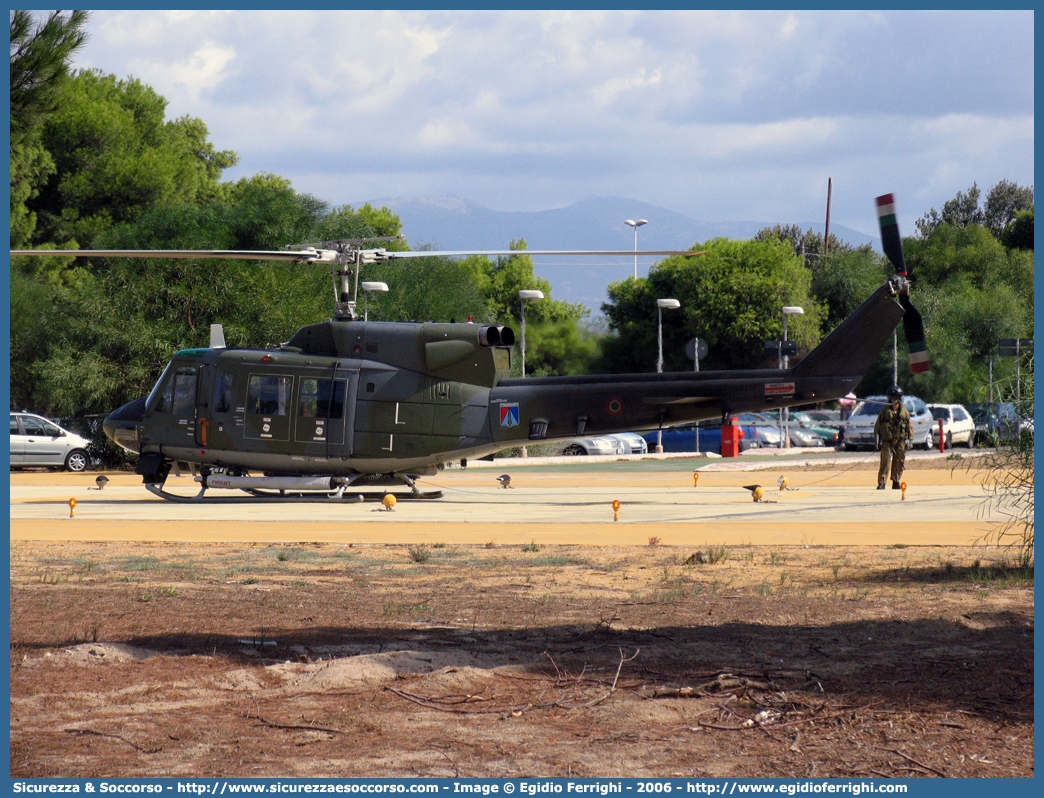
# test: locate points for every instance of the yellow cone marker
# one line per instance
(695, 478)
(902, 487)
(616, 510)
(388, 501)
(72, 508)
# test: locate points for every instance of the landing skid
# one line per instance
(253, 497)
(283, 490)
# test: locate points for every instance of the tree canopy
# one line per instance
(40, 56)
(1003, 202)
(116, 156)
(731, 297)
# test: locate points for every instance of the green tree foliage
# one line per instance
(961, 211)
(503, 277)
(842, 275)
(115, 156)
(1002, 203)
(424, 289)
(731, 297)
(559, 347)
(845, 281)
(1019, 232)
(31, 165)
(972, 291)
(950, 251)
(40, 57)
(808, 243)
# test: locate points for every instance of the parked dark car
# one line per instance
(998, 421)
(827, 432)
(799, 433)
(683, 439)
(829, 418)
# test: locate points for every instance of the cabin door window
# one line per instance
(320, 411)
(268, 407)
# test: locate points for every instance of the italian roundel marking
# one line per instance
(614, 406)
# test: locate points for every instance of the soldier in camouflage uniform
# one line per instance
(894, 435)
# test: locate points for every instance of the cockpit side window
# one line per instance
(184, 401)
(177, 393)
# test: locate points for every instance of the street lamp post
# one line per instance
(368, 288)
(670, 304)
(635, 225)
(784, 437)
(523, 295)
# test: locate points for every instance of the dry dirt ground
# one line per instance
(508, 661)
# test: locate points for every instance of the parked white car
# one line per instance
(958, 425)
(859, 429)
(620, 443)
(35, 441)
(637, 443)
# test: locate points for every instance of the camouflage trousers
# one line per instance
(893, 461)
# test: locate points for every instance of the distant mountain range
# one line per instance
(448, 223)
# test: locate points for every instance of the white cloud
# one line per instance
(608, 92)
(205, 69)
(719, 113)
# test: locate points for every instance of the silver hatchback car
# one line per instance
(35, 441)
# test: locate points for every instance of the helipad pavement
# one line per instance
(553, 504)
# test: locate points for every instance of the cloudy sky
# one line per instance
(721, 116)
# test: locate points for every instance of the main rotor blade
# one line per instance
(325, 255)
(302, 256)
(499, 252)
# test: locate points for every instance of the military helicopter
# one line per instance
(349, 403)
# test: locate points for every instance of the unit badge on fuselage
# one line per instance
(509, 414)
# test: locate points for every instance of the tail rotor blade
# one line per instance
(913, 328)
(890, 240)
(913, 324)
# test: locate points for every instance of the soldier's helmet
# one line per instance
(895, 393)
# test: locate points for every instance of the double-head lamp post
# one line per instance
(784, 362)
(669, 304)
(635, 225)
